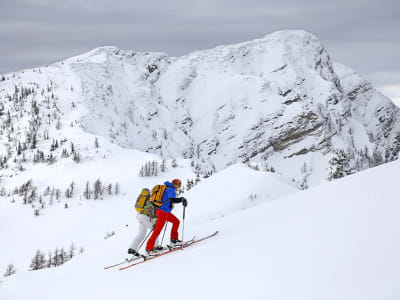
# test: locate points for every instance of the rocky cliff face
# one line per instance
(278, 103)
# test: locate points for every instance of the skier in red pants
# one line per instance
(164, 215)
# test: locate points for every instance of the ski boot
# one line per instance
(133, 252)
(175, 243)
(153, 252)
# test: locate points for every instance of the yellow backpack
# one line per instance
(156, 195)
(142, 201)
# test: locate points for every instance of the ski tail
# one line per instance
(132, 259)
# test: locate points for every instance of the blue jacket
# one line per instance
(168, 193)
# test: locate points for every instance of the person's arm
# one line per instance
(178, 200)
(175, 200)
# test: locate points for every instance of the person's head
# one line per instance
(177, 183)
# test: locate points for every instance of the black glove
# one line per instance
(184, 201)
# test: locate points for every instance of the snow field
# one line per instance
(335, 241)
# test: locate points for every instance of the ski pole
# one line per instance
(151, 231)
(165, 229)
(183, 223)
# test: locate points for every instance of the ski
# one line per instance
(185, 245)
(206, 237)
(150, 257)
(169, 248)
(127, 260)
(144, 257)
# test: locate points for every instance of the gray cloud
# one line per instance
(359, 33)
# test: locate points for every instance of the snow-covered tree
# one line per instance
(11, 270)
(117, 189)
(173, 163)
(38, 261)
(339, 165)
(98, 189)
(86, 192)
(71, 252)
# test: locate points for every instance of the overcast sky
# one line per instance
(364, 35)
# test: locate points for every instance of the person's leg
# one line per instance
(141, 234)
(161, 219)
(175, 225)
(149, 225)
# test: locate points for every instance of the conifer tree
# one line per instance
(72, 188)
(339, 165)
(38, 261)
(98, 190)
(68, 193)
(71, 252)
(173, 163)
(142, 172)
(86, 192)
(61, 256)
(11, 270)
(58, 194)
(163, 167)
(56, 257)
(77, 157)
(49, 260)
(19, 149)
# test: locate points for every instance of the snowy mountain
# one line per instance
(278, 103)
(244, 126)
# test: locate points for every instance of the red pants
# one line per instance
(163, 217)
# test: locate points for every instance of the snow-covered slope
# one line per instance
(335, 241)
(278, 102)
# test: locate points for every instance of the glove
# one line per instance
(184, 201)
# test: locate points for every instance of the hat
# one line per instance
(177, 183)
